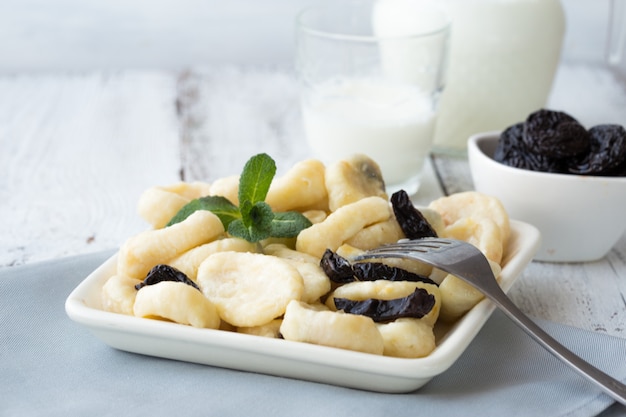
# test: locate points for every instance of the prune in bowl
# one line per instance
(580, 217)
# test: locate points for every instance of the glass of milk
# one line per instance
(371, 73)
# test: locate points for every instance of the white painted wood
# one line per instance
(229, 113)
(589, 295)
(75, 154)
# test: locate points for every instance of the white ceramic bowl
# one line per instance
(286, 358)
(580, 217)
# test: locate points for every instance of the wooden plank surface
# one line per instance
(75, 154)
(230, 112)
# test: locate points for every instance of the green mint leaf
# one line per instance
(220, 206)
(256, 225)
(244, 210)
(255, 179)
(254, 219)
(288, 224)
(260, 216)
(237, 229)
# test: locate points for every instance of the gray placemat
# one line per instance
(51, 366)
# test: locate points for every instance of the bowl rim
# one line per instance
(474, 145)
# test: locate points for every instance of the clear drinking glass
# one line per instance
(371, 73)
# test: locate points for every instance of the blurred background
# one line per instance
(81, 35)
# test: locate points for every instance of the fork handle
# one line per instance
(608, 384)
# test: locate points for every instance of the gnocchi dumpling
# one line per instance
(482, 233)
(315, 216)
(341, 225)
(474, 205)
(303, 323)
(118, 294)
(189, 190)
(188, 262)
(353, 179)
(458, 297)
(227, 187)
(249, 289)
(316, 282)
(282, 251)
(143, 251)
(433, 218)
(271, 329)
(407, 338)
(301, 188)
(377, 234)
(157, 205)
(177, 302)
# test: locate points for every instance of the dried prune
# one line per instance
(340, 271)
(164, 272)
(619, 171)
(512, 151)
(553, 141)
(337, 268)
(510, 143)
(555, 134)
(371, 271)
(415, 305)
(413, 224)
(607, 152)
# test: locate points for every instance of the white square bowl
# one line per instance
(286, 358)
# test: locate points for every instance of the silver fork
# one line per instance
(466, 262)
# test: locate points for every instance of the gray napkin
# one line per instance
(52, 366)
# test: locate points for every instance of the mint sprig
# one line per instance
(254, 219)
(256, 178)
(220, 206)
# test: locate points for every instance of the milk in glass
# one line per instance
(391, 122)
(370, 92)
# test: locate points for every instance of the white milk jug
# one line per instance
(503, 58)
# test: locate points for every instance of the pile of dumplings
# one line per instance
(276, 287)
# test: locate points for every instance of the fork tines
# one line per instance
(421, 245)
(406, 247)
